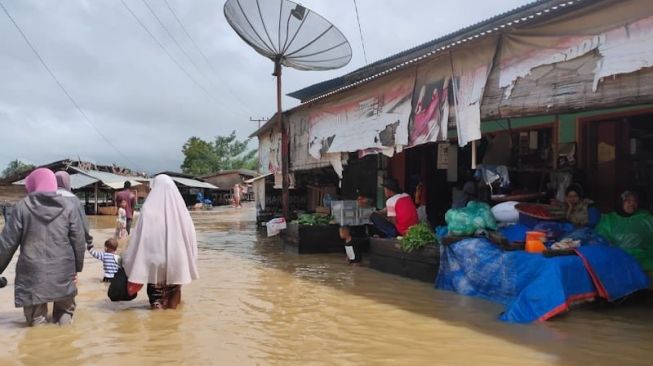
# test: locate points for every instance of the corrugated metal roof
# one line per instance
(77, 181)
(111, 180)
(121, 185)
(247, 172)
(193, 183)
(539, 10)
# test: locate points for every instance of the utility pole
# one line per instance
(258, 120)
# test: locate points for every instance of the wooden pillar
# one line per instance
(96, 198)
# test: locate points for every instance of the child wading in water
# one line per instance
(352, 246)
(110, 261)
(121, 221)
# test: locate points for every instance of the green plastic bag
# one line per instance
(467, 220)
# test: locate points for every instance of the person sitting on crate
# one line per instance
(399, 213)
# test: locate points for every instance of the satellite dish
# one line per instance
(289, 35)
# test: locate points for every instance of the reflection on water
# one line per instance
(255, 304)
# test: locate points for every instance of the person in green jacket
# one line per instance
(631, 229)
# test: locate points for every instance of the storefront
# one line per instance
(515, 108)
(547, 89)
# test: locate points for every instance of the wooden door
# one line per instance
(606, 164)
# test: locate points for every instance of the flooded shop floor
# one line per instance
(256, 304)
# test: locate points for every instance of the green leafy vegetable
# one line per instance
(417, 237)
(313, 219)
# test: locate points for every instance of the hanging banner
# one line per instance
(374, 116)
(300, 159)
(471, 67)
(625, 49)
(269, 148)
(620, 33)
(428, 121)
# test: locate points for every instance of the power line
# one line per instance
(138, 20)
(54, 77)
(259, 120)
(199, 50)
(171, 36)
(360, 30)
(206, 59)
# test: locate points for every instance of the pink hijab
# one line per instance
(163, 247)
(41, 180)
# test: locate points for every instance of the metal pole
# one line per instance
(285, 183)
(474, 154)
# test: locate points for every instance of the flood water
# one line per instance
(256, 304)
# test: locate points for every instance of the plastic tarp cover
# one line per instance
(531, 286)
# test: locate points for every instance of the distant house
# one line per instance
(226, 180)
(94, 184)
(190, 187)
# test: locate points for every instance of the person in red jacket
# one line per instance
(398, 215)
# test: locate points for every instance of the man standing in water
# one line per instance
(129, 197)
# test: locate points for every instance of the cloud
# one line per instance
(140, 100)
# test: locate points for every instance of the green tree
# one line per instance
(233, 154)
(199, 157)
(16, 167)
(226, 152)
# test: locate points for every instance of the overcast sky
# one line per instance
(141, 101)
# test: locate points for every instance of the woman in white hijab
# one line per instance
(162, 250)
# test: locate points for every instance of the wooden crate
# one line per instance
(305, 239)
(421, 264)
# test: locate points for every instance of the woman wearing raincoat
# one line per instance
(50, 233)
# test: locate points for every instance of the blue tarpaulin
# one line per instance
(531, 286)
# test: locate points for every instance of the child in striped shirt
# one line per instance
(110, 261)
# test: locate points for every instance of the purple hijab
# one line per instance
(63, 180)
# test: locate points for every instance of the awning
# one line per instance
(193, 183)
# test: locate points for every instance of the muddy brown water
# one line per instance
(256, 304)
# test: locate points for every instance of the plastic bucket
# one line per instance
(535, 241)
(536, 235)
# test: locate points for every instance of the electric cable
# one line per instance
(54, 77)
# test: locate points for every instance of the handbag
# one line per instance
(118, 287)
